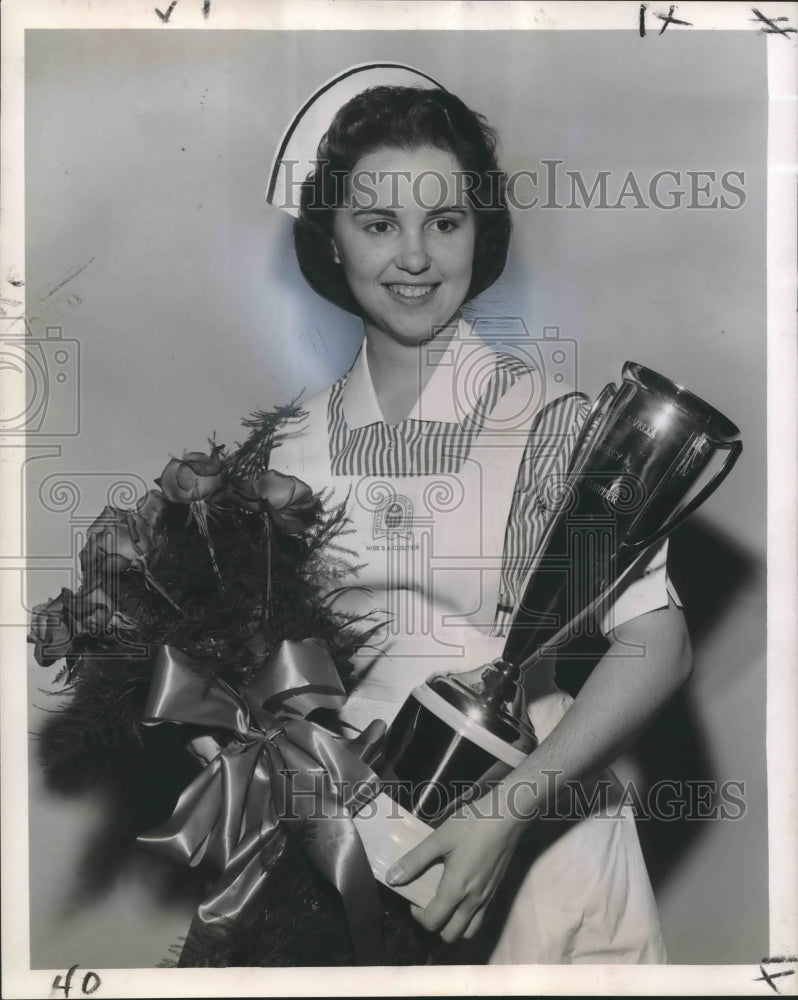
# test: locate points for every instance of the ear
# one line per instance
(335, 254)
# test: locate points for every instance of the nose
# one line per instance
(413, 256)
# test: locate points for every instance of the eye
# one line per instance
(379, 227)
(444, 225)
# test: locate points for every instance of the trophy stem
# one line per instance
(500, 682)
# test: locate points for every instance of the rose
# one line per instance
(109, 547)
(291, 503)
(146, 521)
(194, 479)
(56, 624)
(195, 476)
(90, 612)
(119, 539)
(50, 630)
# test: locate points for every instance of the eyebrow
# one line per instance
(391, 214)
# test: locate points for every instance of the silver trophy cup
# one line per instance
(635, 475)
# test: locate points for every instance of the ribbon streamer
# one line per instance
(275, 774)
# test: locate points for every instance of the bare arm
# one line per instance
(617, 702)
(615, 705)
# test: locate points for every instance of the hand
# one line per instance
(475, 845)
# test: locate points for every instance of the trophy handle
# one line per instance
(734, 448)
(597, 410)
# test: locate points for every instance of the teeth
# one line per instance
(412, 291)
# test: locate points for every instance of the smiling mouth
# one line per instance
(411, 291)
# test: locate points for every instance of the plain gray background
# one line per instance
(147, 155)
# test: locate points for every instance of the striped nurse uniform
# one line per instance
(448, 507)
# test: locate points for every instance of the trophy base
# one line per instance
(388, 831)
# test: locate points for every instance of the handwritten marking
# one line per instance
(69, 276)
(771, 28)
(165, 17)
(206, 9)
(669, 19)
(770, 977)
(11, 303)
(665, 18)
(90, 984)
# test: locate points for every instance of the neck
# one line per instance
(399, 372)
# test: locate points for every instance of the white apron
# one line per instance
(431, 553)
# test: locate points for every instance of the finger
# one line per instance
(443, 905)
(412, 864)
(433, 918)
(420, 914)
(457, 925)
(476, 922)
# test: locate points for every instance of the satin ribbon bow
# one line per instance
(275, 774)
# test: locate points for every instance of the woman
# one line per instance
(447, 450)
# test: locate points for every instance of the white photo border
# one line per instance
(782, 679)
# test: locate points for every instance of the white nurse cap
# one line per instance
(296, 153)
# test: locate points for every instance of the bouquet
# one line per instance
(205, 643)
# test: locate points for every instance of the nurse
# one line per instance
(449, 452)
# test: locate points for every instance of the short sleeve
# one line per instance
(646, 587)
(543, 465)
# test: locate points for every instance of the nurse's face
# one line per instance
(405, 238)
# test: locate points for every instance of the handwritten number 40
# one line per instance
(89, 985)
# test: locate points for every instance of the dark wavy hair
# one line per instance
(408, 118)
